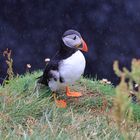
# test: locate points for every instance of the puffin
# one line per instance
(66, 67)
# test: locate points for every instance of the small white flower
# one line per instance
(29, 66)
(47, 59)
(136, 85)
(105, 80)
(108, 82)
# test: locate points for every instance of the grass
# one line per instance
(27, 113)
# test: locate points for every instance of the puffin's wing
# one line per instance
(47, 75)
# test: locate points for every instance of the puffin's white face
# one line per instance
(72, 40)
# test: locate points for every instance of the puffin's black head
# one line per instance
(73, 39)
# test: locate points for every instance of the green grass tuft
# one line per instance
(30, 114)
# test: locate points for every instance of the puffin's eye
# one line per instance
(74, 38)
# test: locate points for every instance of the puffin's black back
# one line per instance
(62, 54)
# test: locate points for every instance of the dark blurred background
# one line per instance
(33, 29)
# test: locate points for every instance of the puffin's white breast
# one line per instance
(72, 68)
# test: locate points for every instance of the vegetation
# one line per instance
(28, 111)
(124, 109)
(9, 62)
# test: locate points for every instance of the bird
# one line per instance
(66, 67)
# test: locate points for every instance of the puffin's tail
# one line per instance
(38, 83)
(39, 79)
(42, 80)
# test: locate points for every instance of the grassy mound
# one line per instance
(30, 113)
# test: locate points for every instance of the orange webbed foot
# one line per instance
(72, 94)
(59, 103)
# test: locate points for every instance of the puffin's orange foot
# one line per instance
(61, 103)
(74, 94)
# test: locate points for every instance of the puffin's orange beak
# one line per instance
(84, 46)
